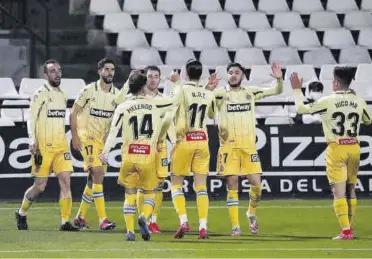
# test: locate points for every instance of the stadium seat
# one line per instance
(319, 57)
(341, 6)
(200, 39)
(16, 115)
(324, 20)
(138, 6)
(288, 21)
(165, 40)
(206, 6)
(116, 22)
(143, 57)
(72, 87)
(29, 86)
(366, 5)
(273, 6)
(365, 38)
(178, 57)
(249, 57)
(261, 74)
(362, 88)
(358, 20)
(326, 72)
(8, 88)
(338, 38)
(235, 39)
(306, 6)
(269, 111)
(239, 6)
(269, 40)
(306, 72)
(6, 122)
(221, 72)
(151, 22)
(131, 39)
(364, 72)
(171, 6)
(304, 39)
(354, 56)
(214, 57)
(97, 8)
(254, 21)
(327, 87)
(186, 22)
(285, 56)
(278, 120)
(220, 21)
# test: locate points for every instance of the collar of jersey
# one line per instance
(343, 92)
(99, 88)
(51, 88)
(228, 88)
(193, 83)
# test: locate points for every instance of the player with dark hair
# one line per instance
(48, 146)
(341, 113)
(237, 155)
(90, 122)
(144, 121)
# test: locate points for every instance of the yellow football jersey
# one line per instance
(46, 124)
(196, 102)
(341, 112)
(236, 110)
(98, 110)
(142, 119)
(121, 97)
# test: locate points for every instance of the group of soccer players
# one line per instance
(148, 118)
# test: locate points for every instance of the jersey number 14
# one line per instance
(146, 126)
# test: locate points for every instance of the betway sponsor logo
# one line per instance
(56, 114)
(101, 113)
(241, 107)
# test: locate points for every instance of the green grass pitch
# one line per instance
(288, 228)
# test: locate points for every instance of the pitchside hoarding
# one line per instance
(292, 158)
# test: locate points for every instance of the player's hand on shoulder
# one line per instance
(276, 71)
(76, 143)
(103, 158)
(296, 82)
(174, 77)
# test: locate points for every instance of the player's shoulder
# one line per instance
(90, 86)
(116, 90)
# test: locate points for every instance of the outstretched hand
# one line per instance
(295, 81)
(213, 81)
(276, 71)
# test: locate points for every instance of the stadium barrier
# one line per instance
(292, 158)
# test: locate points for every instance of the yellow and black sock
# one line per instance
(342, 213)
(202, 203)
(254, 199)
(66, 205)
(86, 202)
(179, 202)
(99, 201)
(233, 205)
(129, 211)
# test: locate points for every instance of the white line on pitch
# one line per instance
(182, 249)
(211, 207)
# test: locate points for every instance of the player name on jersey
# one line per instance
(241, 107)
(56, 113)
(346, 103)
(139, 107)
(101, 113)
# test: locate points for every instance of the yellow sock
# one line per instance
(254, 199)
(129, 211)
(202, 202)
(66, 205)
(148, 204)
(99, 201)
(341, 210)
(158, 203)
(179, 202)
(352, 203)
(86, 202)
(139, 201)
(233, 205)
(26, 204)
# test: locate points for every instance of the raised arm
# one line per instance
(277, 73)
(122, 94)
(37, 103)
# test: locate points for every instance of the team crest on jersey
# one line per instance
(227, 98)
(67, 156)
(255, 158)
(164, 162)
(50, 100)
(249, 97)
(93, 99)
(113, 103)
(91, 160)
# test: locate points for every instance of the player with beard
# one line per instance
(90, 122)
(237, 155)
(48, 146)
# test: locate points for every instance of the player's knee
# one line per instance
(232, 182)
(40, 186)
(350, 191)
(200, 179)
(130, 191)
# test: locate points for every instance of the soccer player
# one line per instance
(153, 80)
(191, 152)
(48, 146)
(341, 113)
(144, 121)
(237, 155)
(90, 122)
